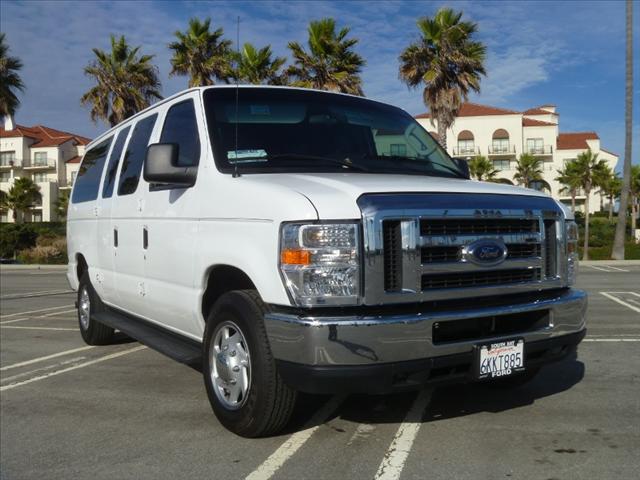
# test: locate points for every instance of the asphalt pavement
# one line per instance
(124, 411)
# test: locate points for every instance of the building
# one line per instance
(503, 135)
(49, 157)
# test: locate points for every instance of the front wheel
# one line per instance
(244, 388)
(93, 332)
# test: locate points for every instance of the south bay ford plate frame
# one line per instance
(499, 359)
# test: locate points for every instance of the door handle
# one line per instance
(145, 238)
(115, 237)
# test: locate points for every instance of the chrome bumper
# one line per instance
(371, 340)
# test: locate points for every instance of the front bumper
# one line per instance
(366, 342)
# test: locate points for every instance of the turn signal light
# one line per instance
(291, 256)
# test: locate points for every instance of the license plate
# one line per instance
(500, 359)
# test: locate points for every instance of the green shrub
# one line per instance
(14, 237)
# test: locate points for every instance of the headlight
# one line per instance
(319, 263)
(572, 251)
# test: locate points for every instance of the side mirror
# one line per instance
(463, 165)
(161, 166)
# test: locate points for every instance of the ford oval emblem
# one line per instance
(486, 252)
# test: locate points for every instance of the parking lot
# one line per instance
(124, 411)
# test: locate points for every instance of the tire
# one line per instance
(515, 381)
(244, 388)
(89, 303)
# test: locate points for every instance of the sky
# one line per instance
(571, 54)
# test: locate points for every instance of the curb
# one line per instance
(9, 266)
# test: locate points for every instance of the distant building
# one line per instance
(49, 157)
(503, 135)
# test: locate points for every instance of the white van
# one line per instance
(293, 240)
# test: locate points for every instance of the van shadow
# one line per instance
(446, 402)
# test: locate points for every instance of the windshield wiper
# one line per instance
(317, 158)
(412, 162)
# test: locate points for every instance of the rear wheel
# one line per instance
(244, 388)
(93, 332)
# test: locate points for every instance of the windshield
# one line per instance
(289, 130)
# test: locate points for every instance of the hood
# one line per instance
(334, 195)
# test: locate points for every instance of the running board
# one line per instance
(177, 347)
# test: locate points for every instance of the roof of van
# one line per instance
(193, 89)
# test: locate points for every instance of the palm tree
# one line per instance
(447, 61)
(570, 178)
(125, 82)
(22, 195)
(62, 204)
(590, 170)
(482, 169)
(528, 169)
(330, 63)
(634, 195)
(257, 67)
(10, 81)
(610, 186)
(202, 55)
(618, 242)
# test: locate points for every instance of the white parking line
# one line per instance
(598, 268)
(616, 268)
(398, 452)
(611, 340)
(10, 296)
(19, 314)
(628, 293)
(53, 314)
(44, 368)
(278, 458)
(18, 327)
(48, 357)
(75, 367)
(617, 300)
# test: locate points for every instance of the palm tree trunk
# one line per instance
(573, 202)
(585, 253)
(601, 203)
(610, 207)
(618, 242)
(442, 134)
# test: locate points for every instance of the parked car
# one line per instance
(294, 240)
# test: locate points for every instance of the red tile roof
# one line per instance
(575, 140)
(609, 152)
(476, 110)
(75, 159)
(43, 136)
(530, 122)
(539, 111)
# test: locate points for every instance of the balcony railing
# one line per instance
(6, 163)
(502, 150)
(465, 151)
(39, 163)
(539, 150)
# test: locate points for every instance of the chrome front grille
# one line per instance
(417, 247)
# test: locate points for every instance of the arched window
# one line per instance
(500, 142)
(465, 143)
(540, 185)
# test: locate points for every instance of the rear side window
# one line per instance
(88, 178)
(112, 166)
(134, 156)
(180, 127)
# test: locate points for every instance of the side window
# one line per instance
(134, 156)
(88, 178)
(112, 166)
(181, 127)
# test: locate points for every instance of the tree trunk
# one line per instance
(442, 134)
(573, 202)
(585, 253)
(601, 203)
(618, 242)
(610, 207)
